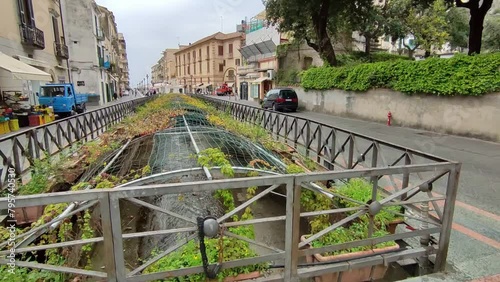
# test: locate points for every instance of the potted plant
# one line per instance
(356, 231)
(385, 223)
(361, 191)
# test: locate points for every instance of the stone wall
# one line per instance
(468, 116)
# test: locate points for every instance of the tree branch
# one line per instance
(312, 44)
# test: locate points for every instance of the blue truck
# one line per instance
(63, 98)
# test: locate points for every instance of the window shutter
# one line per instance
(31, 13)
(22, 16)
(56, 29)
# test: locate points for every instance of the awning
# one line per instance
(260, 80)
(33, 62)
(21, 70)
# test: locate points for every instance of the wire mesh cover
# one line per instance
(172, 149)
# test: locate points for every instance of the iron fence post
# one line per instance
(292, 224)
(308, 138)
(351, 151)
(449, 208)
(112, 235)
(424, 239)
(319, 144)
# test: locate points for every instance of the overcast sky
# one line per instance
(150, 26)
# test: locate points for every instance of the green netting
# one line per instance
(173, 148)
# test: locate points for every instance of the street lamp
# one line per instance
(147, 84)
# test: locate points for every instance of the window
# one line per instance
(199, 53)
(184, 59)
(194, 68)
(237, 62)
(221, 67)
(230, 48)
(221, 50)
(208, 67)
(194, 55)
(208, 52)
(189, 70)
(55, 26)
(201, 71)
(96, 26)
(25, 8)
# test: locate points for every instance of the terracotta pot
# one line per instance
(242, 277)
(391, 226)
(28, 214)
(354, 275)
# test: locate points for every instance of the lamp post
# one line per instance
(147, 84)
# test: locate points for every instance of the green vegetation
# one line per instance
(231, 248)
(460, 75)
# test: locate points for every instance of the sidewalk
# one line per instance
(475, 240)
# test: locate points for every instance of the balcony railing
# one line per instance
(32, 36)
(62, 50)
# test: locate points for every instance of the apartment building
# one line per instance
(33, 48)
(111, 49)
(209, 62)
(157, 73)
(256, 76)
(169, 68)
(123, 63)
(86, 49)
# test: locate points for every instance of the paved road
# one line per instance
(475, 240)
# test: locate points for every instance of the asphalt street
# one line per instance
(475, 240)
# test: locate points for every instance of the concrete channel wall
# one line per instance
(469, 116)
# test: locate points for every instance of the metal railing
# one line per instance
(437, 227)
(20, 149)
(405, 177)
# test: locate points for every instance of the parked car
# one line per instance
(280, 99)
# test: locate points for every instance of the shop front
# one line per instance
(18, 95)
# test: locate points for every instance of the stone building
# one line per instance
(33, 48)
(209, 62)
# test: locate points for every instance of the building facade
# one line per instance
(123, 63)
(209, 62)
(86, 49)
(32, 33)
(111, 49)
(256, 76)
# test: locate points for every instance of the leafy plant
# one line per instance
(459, 75)
(361, 191)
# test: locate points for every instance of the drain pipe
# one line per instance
(207, 172)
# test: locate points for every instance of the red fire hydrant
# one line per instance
(389, 116)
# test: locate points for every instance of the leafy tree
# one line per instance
(317, 22)
(427, 25)
(458, 27)
(368, 19)
(476, 22)
(491, 38)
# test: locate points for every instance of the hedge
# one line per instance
(355, 58)
(459, 75)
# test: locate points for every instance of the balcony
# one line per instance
(100, 35)
(62, 50)
(32, 36)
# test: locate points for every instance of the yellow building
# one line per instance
(31, 32)
(209, 62)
